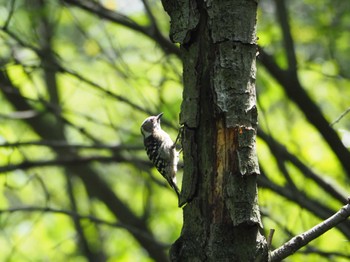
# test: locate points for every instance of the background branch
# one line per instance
(297, 93)
(113, 16)
(299, 197)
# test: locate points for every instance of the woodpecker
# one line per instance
(160, 149)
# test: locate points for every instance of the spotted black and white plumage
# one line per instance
(160, 149)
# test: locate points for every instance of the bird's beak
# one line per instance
(159, 116)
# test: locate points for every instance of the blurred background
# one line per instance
(77, 79)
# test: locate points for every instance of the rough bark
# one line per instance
(218, 47)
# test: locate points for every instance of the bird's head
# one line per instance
(150, 124)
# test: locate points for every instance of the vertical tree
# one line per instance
(218, 47)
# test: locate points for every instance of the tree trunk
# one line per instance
(218, 47)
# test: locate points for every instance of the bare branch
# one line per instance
(95, 185)
(287, 36)
(72, 161)
(279, 150)
(97, 9)
(150, 14)
(340, 117)
(308, 249)
(80, 217)
(299, 197)
(303, 239)
(20, 115)
(82, 78)
(64, 144)
(84, 243)
(12, 10)
(78, 76)
(297, 93)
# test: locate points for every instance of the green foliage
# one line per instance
(320, 54)
(109, 78)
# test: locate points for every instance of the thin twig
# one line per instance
(340, 117)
